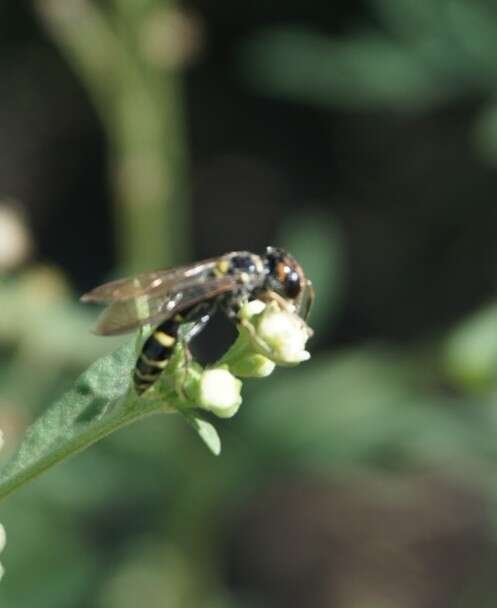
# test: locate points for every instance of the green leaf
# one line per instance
(206, 431)
(100, 402)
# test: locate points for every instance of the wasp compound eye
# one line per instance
(292, 284)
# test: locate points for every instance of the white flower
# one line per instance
(15, 240)
(281, 333)
(219, 392)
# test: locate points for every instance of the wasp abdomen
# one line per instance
(155, 355)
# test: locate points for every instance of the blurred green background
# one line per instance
(362, 136)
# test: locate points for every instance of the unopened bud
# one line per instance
(219, 392)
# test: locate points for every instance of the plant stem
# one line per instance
(140, 105)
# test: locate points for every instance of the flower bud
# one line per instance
(253, 365)
(282, 332)
(285, 334)
(219, 392)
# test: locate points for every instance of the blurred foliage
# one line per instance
(471, 351)
(133, 82)
(366, 478)
(419, 55)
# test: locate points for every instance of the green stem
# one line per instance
(140, 105)
(147, 157)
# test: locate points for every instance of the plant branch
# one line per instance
(139, 104)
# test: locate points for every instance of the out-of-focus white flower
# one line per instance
(1, 439)
(281, 333)
(171, 37)
(15, 240)
(219, 392)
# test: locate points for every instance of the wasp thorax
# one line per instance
(247, 268)
(243, 263)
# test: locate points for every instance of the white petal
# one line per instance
(261, 366)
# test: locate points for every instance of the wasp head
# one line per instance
(285, 276)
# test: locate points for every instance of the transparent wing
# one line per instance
(158, 283)
(124, 315)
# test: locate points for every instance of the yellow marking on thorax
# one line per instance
(164, 339)
(221, 268)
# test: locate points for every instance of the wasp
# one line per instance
(170, 299)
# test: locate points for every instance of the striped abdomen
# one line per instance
(155, 354)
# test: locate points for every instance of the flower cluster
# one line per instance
(268, 336)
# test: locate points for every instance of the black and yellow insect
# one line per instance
(191, 294)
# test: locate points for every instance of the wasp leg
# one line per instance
(231, 307)
(200, 315)
(272, 296)
(253, 334)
